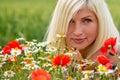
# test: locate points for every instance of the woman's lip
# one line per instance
(78, 40)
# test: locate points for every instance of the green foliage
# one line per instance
(24, 18)
(114, 6)
(30, 18)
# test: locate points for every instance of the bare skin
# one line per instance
(82, 31)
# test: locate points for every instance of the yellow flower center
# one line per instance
(52, 48)
(88, 72)
(50, 57)
(69, 78)
(32, 65)
(46, 63)
(70, 51)
(62, 35)
(9, 71)
(16, 48)
(27, 45)
(27, 61)
(102, 68)
(60, 66)
(89, 60)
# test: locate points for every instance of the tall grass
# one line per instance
(24, 18)
(114, 7)
(30, 18)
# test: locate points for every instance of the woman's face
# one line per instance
(82, 29)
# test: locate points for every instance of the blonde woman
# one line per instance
(86, 24)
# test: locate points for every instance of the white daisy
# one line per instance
(51, 49)
(70, 53)
(1, 64)
(88, 73)
(47, 64)
(32, 66)
(9, 73)
(15, 51)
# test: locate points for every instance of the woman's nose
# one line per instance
(78, 29)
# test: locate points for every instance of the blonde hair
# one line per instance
(64, 11)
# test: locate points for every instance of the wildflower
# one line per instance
(29, 55)
(70, 53)
(87, 61)
(61, 60)
(40, 75)
(6, 49)
(1, 64)
(47, 64)
(9, 73)
(42, 44)
(60, 35)
(51, 49)
(104, 70)
(49, 57)
(20, 39)
(88, 73)
(15, 51)
(14, 44)
(109, 46)
(103, 60)
(13, 59)
(56, 60)
(79, 67)
(11, 44)
(30, 63)
(28, 60)
(31, 66)
(41, 58)
(69, 78)
(26, 49)
(3, 57)
(64, 69)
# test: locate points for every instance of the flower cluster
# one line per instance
(32, 60)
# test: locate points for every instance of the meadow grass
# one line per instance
(24, 18)
(114, 7)
(30, 18)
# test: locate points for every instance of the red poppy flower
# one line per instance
(65, 60)
(109, 46)
(62, 60)
(14, 44)
(40, 75)
(6, 49)
(11, 44)
(56, 60)
(103, 60)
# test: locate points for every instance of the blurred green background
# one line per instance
(30, 18)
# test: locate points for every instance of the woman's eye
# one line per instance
(87, 21)
(72, 21)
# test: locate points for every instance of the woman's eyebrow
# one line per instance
(87, 17)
